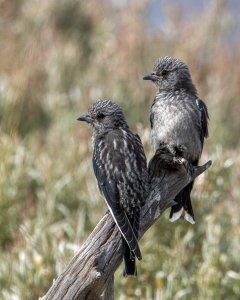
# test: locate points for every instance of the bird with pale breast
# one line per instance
(179, 119)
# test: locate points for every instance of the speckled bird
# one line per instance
(120, 166)
(179, 119)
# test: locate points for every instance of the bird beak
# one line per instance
(151, 76)
(85, 118)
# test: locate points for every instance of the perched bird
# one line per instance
(120, 166)
(178, 119)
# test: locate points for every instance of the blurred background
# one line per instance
(56, 58)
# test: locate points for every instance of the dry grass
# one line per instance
(56, 58)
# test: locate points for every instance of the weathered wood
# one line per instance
(90, 273)
(108, 293)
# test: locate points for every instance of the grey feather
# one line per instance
(179, 119)
(120, 166)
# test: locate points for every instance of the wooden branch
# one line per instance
(108, 293)
(90, 273)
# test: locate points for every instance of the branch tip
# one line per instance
(196, 171)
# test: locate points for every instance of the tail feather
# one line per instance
(136, 223)
(188, 210)
(126, 229)
(129, 261)
(183, 208)
(176, 214)
(128, 255)
(177, 210)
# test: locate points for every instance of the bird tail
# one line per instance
(183, 208)
(129, 260)
(128, 255)
(127, 232)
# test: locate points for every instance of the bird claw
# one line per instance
(165, 159)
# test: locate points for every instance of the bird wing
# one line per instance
(151, 118)
(109, 188)
(204, 119)
(151, 112)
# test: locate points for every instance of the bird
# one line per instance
(120, 167)
(179, 119)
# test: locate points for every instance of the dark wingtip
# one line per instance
(138, 253)
(125, 274)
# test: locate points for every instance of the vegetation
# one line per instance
(57, 57)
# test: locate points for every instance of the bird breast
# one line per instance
(176, 123)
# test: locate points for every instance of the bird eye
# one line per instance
(100, 116)
(164, 72)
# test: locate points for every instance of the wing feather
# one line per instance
(204, 119)
(109, 189)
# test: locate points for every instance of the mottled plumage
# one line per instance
(120, 167)
(178, 119)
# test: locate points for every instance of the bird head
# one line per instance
(171, 74)
(104, 115)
